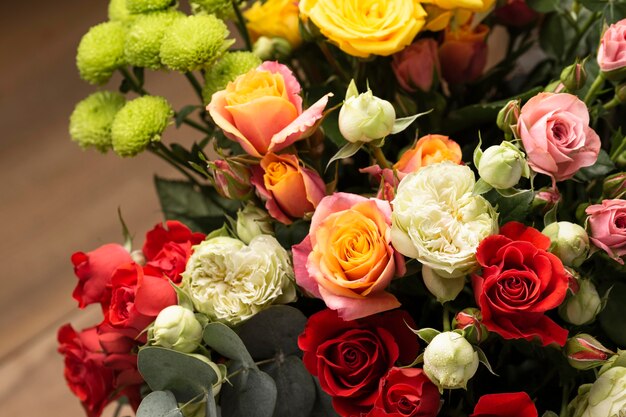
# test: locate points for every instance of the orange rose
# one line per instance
(430, 149)
(463, 54)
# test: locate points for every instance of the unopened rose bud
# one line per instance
(582, 307)
(570, 242)
(365, 117)
(584, 352)
(177, 328)
(231, 179)
(450, 361)
(502, 166)
(620, 93)
(444, 289)
(252, 222)
(508, 116)
(470, 321)
(269, 49)
(614, 186)
(574, 76)
(545, 199)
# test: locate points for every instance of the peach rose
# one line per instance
(289, 190)
(262, 110)
(612, 51)
(608, 227)
(429, 149)
(417, 65)
(554, 128)
(347, 259)
(463, 54)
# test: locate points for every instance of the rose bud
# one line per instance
(515, 13)
(545, 199)
(574, 76)
(584, 352)
(176, 328)
(470, 321)
(450, 361)
(428, 150)
(502, 166)
(463, 54)
(231, 179)
(507, 118)
(614, 186)
(272, 49)
(569, 242)
(582, 307)
(417, 66)
(252, 222)
(444, 289)
(620, 92)
(611, 57)
(365, 117)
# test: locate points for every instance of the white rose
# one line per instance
(605, 398)
(230, 281)
(438, 221)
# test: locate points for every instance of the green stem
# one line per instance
(241, 25)
(615, 101)
(379, 156)
(158, 151)
(332, 61)
(195, 84)
(564, 400)
(133, 83)
(446, 319)
(595, 87)
(196, 126)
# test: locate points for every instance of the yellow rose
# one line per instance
(479, 6)
(274, 18)
(440, 12)
(366, 27)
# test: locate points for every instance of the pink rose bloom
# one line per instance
(608, 227)
(612, 51)
(262, 110)
(347, 259)
(416, 65)
(554, 128)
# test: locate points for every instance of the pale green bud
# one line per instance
(222, 9)
(101, 51)
(194, 42)
(229, 67)
(502, 166)
(143, 42)
(91, 120)
(252, 222)
(365, 117)
(582, 307)
(444, 289)
(177, 328)
(146, 6)
(272, 48)
(570, 242)
(138, 123)
(118, 12)
(450, 361)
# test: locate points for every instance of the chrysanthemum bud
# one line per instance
(365, 117)
(502, 166)
(614, 186)
(91, 120)
(272, 49)
(444, 289)
(584, 352)
(118, 12)
(222, 9)
(570, 242)
(507, 117)
(470, 321)
(101, 51)
(231, 179)
(251, 222)
(143, 42)
(450, 361)
(177, 328)
(194, 42)
(146, 6)
(138, 123)
(229, 67)
(582, 307)
(574, 76)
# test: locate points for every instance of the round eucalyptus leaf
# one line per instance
(159, 404)
(295, 387)
(252, 394)
(224, 341)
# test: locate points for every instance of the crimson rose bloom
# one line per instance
(509, 404)
(520, 281)
(350, 357)
(406, 393)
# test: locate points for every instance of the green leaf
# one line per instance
(511, 208)
(427, 334)
(550, 216)
(128, 237)
(552, 36)
(221, 232)
(159, 404)
(294, 385)
(165, 369)
(483, 359)
(225, 341)
(603, 166)
(400, 124)
(183, 299)
(543, 6)
(594, 5)
(478, 153)
(352, 91)
(612, 317)
(481, 187)
(291, 234)
(211, 407)
(184, 112)
(347, 151)
(509, 192)
(252, 394)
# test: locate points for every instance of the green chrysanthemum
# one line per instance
(229, 67)
(118, 11)
(138, 123)
(91, 120)
(223, 9)
(193, 42)
(101, 51)
(146, 6)
(143, 42)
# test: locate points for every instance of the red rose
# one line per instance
(94, 270)
(85, 372)
(509, 404)
(173, 232)
(406, 393)
(515, 13)
(350, 357)
(520, 281)
(171, 261)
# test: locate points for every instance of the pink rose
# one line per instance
(608, 227)
(417, 65)
(262, 110)
(554, 128)
(612, 51)
(289, 190)
(347, 259)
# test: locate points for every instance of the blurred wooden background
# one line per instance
(55, 198)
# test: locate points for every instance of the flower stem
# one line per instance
(615, 101)
(446, 319)
(196, 126)
(195, 84)
(241, 25)
(564, 400)
(595, 87)
(332, 61)
(134, 85)
(380, 157)
(162, 152)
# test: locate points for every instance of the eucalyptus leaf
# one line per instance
(252, 394)
(225, 341)
(346, 151)
(159, 404)
(295, 387)
(211, 407)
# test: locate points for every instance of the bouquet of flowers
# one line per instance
(393, 208)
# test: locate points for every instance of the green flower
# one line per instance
(101, 51)
(194, 42)
(138, 123)
(91, 120)
(229, 67)
(145, 6)
(222, 9)
(118, 11)
(143, 43)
